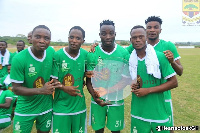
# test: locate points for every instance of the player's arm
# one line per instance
(176, 64)
(47, 89)
(94, 94)
(6, 104)
(170, 84)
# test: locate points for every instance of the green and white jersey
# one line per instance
(70, 72)
(5, 82)
(4, 61)
(130, 48)
(164, 45)
(32, 72)
(16, 52)
(4, 94)
(152, 107)
(118, 54)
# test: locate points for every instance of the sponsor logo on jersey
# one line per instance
(68, 80)
(31, 71)
(38, 83)
(139, 81)
(105, 73)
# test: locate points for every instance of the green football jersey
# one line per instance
(3, 67)
(3, 95)
(130, 48)
(5, 82)
(118, 54)
(32, 72)
(152, 106)
(164, 45)
(70, 72)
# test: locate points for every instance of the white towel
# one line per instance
(151, 62)
(5, 59)
(7, 81)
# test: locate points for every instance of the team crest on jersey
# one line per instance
(64, 66)
(139, 81)
(68, 80)
(31, 71)
(38, 83)
(100, 61)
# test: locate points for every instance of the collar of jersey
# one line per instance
(156, 44)
(73, 58)
(107, 52)
(31, 53)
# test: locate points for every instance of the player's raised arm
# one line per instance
(176, 64)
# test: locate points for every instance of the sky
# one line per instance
(21, 16)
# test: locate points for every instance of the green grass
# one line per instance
(185, 98)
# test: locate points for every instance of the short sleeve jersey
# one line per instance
(130, 48)
(3, 69)
(151, 106)
(164, 45)
(5, 82)
(3, 95)
(70, 72)
(119, 53)
(32, 72)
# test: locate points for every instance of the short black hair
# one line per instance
(136, 27)
(21, 41)
(107, 22)
(78, 28)
(41, 26)
(4, 42)
(153, 18)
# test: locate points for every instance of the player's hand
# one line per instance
(49, 87)
(100, 91)
(92, 49)
(141, 92)
(101, 102)
(72, 90)
(89, 74)
(98, 100)
(169, 55)
(134, 86)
